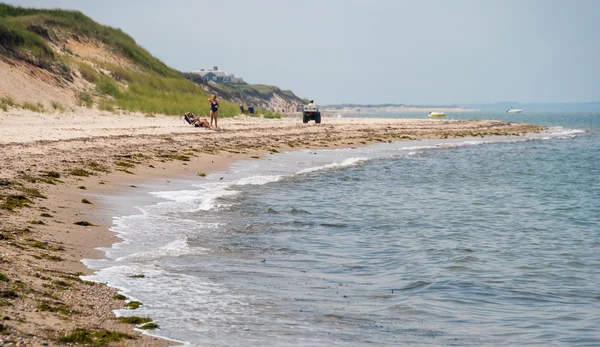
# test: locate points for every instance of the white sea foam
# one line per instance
(349, 162)
(161, 291)
(176, 248)
(258, 180)
(178, 196)
(204, 198)
(409, 148)
(560, 132)
(463, 144)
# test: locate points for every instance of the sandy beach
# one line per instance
(53, 167)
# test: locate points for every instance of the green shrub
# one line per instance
(88, 73)
(84, 99)
(106, 85)
(33, 107)
(7, 100)
(272, 115)
(15, 36)
(121, 74)
(58, 106)
(106, 105)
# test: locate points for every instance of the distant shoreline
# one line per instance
(397, 109)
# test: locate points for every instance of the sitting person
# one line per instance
(196, 121)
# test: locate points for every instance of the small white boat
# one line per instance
(514, 110)
(437, 114)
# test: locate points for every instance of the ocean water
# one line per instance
(464, 242)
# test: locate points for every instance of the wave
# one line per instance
(350, 162)
(203, 199)
(257, 180)
(560, 132)
(174, 249)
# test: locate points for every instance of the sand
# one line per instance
(55, 160)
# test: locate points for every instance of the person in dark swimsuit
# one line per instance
(214, 110)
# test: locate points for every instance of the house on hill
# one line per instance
(217, 76)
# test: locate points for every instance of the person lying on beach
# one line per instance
(196, 121)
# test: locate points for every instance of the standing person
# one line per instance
(214, 110)
(242, 109)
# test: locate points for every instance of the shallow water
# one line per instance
(480, 241)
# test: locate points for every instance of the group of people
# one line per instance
(249, 110)
(203, 123)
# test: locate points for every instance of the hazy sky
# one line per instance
(374, 51)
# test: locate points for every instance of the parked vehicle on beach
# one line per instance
(311, 112)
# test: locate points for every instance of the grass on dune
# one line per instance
(271, 115)
(29, 28)
(149, 87)
(88, 72)
(152, 93)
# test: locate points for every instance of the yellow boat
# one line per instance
(437, 114)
